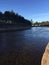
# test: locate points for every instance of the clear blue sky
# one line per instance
(37, 10)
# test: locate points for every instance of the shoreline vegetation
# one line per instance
(41, 24)
(9, 20)
(13, 21)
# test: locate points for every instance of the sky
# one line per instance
(37, 10)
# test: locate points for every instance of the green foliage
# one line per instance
(13, 18)
(44, 23)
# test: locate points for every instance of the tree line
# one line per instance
(10, 17)
(43, 23)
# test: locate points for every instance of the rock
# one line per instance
(45, 58)
(48, 28)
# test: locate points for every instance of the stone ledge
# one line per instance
(45, 58)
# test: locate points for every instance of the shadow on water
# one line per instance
(23, 47)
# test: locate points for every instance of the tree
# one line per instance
(1, 15)
(10, 16)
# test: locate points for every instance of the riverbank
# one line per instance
(14, 28)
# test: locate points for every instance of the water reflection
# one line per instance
(23, 47)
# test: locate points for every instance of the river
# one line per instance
(24, 47)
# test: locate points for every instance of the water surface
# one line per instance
(23, 47)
